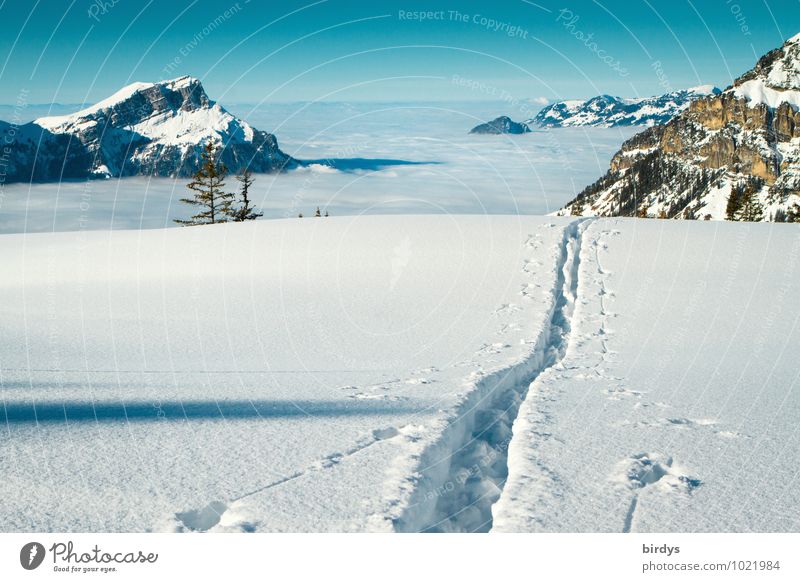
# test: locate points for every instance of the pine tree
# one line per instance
(751, 209)
(317, 213)
(300, 215)
(326, 214)
(245, 210)
(734, 204)
(793, 213)
(208, 184)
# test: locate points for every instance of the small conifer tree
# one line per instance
(793, 213)
(245, 210)
(208, 185)
(733, 205)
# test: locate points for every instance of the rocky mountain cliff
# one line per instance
(608, 111)
(153, 129)
(501, 125)
(735, 155)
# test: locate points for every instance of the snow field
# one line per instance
(450, 373)
(277, 376)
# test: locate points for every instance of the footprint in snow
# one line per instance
(731, 434)
(494, 348)
(202, 519)
(507, 327)
(506, 308)
(381, 434)
(619, 393)
(419, 381)
(533, 241)
(657, 470)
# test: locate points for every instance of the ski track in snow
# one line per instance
(606, 443)
(474, 448)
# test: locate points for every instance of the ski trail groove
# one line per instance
(464, 472)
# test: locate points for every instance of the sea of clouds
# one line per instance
(371, 158)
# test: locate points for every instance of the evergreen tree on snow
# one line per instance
(317, 213)
(245, 210)
(208, 185)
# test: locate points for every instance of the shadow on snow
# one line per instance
(139, 411)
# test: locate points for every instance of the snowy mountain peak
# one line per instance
(774, 80)
(610, 111)
(135, 103)
(143, 129)
(183, 81)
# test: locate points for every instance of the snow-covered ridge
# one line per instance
(774, 80)
(188, 124)
(57, 121)
(757, 92)
(610, 111)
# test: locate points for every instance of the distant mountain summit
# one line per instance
(152, 129)
(608, 111)
(501, 125)
(733, 155)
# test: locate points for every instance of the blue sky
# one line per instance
(251, 51)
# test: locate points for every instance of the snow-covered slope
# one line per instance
(608, 111)
(363, 373)
(675, 406)
(732, 155)
(149, 129)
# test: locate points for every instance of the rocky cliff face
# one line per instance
(608, 111)
(153, 129)
(501, 125)
(741, 145)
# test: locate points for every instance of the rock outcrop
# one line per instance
(501, 125)
(742, 145)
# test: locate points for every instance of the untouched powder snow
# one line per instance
(675, 407)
